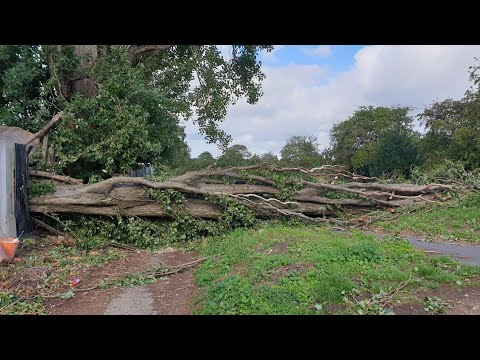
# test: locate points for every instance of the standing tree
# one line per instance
(202, 161)
(120, 105)
(235, 155)
(394, 154)
(301, 151)
(453, 128)
(355, 142)
(269, 158)
(23, 75)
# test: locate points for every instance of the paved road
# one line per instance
(133, 301)
(170, 296)
(467, 254)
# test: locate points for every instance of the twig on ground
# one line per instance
(48, 227)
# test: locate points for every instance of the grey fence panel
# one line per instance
(7, 200)
(146, 170)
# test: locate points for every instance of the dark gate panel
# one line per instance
(22, 213)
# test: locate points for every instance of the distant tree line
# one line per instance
(381, 141)
(299, 151)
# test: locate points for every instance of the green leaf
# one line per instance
(68, 295)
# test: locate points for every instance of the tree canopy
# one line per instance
(301, 151)
(127, 104)
(364, 142)
(24, 102)
(235, 155)
(453, 128)
(124, 104)
(268, 157)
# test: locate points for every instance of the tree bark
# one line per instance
(132, 200)
(135, 50)
(47, 127)
(127, 196)
(47, 175)
(87, 54)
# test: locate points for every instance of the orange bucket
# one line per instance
(8, 248)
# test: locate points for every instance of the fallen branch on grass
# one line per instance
(376, 303)
(177, 268)
(168, 270)
(124, 246)
(48, 227)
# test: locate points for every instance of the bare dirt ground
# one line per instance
(464, 301)
(169, 295)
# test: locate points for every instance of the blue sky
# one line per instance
(337, 57)
(308, 89)
(334, 59)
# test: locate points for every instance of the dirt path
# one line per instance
(461, 301)
(168, 296)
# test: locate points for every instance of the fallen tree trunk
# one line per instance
(295, 196)
(197, 208)
(132, 200)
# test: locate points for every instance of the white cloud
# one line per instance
(272, 56)
(225, 51)
(295, 104)
(322, 51)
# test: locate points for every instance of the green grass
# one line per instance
(311, 270)
(40, 188)
(13, 305)
(461, 222)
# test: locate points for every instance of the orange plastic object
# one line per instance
(8, 248)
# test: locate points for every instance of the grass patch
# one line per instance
(312, 270)
(461, 222)
(13, 305)
(41, 188)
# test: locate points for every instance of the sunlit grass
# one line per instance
(310, 270)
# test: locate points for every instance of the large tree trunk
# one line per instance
(127, 196)
(122, 198)
(87, 55)
(67, 85)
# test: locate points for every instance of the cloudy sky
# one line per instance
(310, 88)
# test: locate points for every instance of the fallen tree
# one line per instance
(315, 195)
